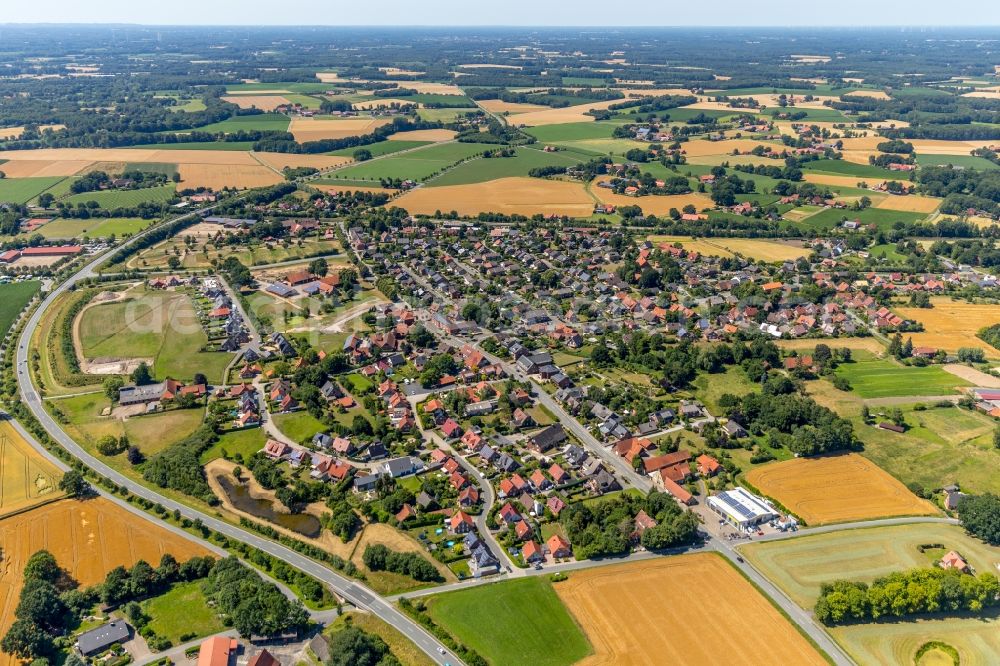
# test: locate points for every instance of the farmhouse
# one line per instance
(137, 395)
(217, 651)
(100, 639)
(741, 508)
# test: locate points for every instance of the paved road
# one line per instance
(354, 592)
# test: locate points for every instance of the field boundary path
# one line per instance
(353, 591)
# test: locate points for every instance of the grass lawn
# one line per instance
(182, 611)
(96, 227)
(358, 383)
(418, 165)
(245, 442)
(885, 378)
(572, 131)
(538, 628)
(23, 190)
(887, 250)
(712, 387)
(124, 198)
(966, 161)
(380, 148)
(298, 426)
(13, 297)
(443, 115)
(478, 171)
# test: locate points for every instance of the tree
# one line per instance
(353, 647)
(40, 604)
(419, 336)
(112, 385)
(319, 267)
(26, 640)
(73, 484)
(42, 566)
(174, 262)
(362, 155)
(980, 515)
(141, 375)
(109, 445)
(134, 455)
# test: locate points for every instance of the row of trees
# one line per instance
(906, 593)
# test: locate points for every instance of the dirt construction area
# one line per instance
(26, 478)
(837, 489)
(87, 538)
(640, 614)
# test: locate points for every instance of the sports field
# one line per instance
(686, 609)
(162, 326)
(728, 247)
(26, 478)
(799, 565)
(837, 489)
(515, 622)
(522, 196)
(887, 378)
(950, 324)
(13, 297)
(87, 538)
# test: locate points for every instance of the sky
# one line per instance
(508, 12)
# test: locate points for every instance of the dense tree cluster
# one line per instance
(378, 557)
(253, 606)
(906, 593)
(980, 515)
(351, 646)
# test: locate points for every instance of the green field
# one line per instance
(514, 622)
(162, 326)
(880, 217)
(572, 131)
(381, 148)
(842, 168)
(165, 168)
(883, 378)
(417, 165)
(966, 161)
(95, 227)
(23, 190)
(308, 101)
(800, 564)
(711, 387)
(976, 639)
(13, 297)
(261, 122)
(817, 115)
(182, 611)
(478, 171)
(443, 115)
(190, 106)
(111, 199)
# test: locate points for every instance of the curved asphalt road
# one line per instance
(354, 592)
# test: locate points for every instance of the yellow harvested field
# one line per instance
(330, 77)
(859, 156)
(638, 614)
(15, 132)
(40, 168)
(499, 106)
(524, 196)
(764, 250)
(862, 142)
(653, 92)
(424, 135)
(874, 94)
(281, 160)
(950, 324)
(88, 539)
(569, 114)
(430, 88)
(984, 94)
(837, 489)
(218, 176)
(88, 155)
(839, 181)
(314, 129)
(26, 477)
(251, 93)
(702, 147)
(913, 203)
(972, 375)
(396, 71)
(941, 147)
(262, 102)
(486, 65)
(655, 204)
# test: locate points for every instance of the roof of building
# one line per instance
(103, 637)
(215, 651)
